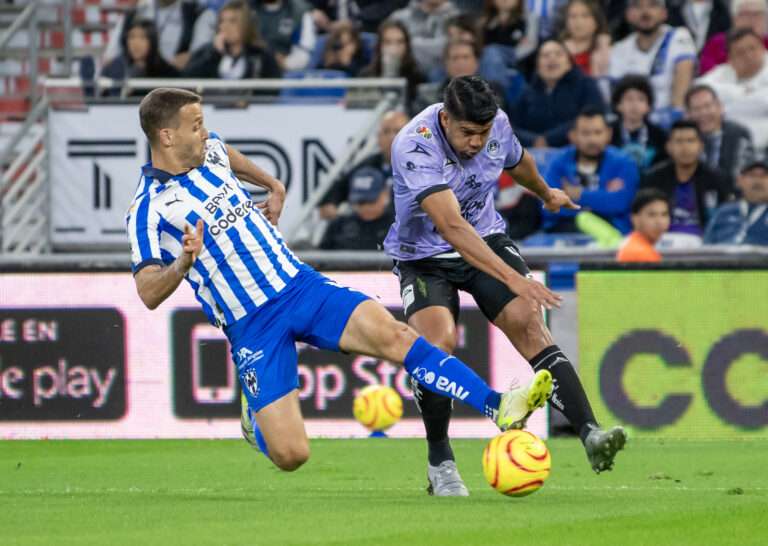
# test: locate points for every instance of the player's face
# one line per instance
(591, 135)
(652, 221)
(189, 139)
(465, 137)
(754, 185)
(684, 146)
(705, 110)
(646, 16)
(633, 106)
(579, 22)
(138, 44)
(747, 56)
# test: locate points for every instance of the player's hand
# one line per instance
(272, 207)
(192, 244)
(535, 293)
(557, 199)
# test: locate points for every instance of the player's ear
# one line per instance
(165, 137)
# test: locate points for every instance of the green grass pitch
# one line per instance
(372, 492)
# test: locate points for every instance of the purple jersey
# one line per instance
(424, 163)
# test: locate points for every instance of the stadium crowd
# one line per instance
(624, 104)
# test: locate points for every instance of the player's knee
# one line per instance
(396, 339)
(290, 457)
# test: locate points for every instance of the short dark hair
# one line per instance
(645, 197)
(632, 82)
(476, 51)
(682, 125)
(470, 98)
(695, 90)
(591, 111)
(160, 108)
(737, 34)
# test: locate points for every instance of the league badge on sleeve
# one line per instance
(424, 131)
(493, 147)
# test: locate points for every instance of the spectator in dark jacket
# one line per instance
(693, 188)
(595, 175)
(140, 57)
(559, 91)
(366, 227)
(645, 142)
(393, 58)
(744, 221)
(237, 51)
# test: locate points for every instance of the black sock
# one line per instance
(436, 414)
(568, 395)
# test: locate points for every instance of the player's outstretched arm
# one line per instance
(155, 283)
(246, 170)
(527, 174)
(443, 209)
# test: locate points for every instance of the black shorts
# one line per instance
(437, 281)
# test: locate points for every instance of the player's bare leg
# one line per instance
(524, 325)
(437, 326)
(282, 427)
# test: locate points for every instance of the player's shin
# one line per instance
(568, 395)
(445, 374)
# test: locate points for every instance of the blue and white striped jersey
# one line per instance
(244, 261)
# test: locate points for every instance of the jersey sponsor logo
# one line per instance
(472, 182)
(493, 147)
(233, 214)
(418, 149)
(410, 165)
(213, 204)
(424, 131)
(441, 383)
(245, 357)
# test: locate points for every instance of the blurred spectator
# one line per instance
(206, 24)
(288, 29)
(237, 51)
(745, 14)
(650, 220)
(366, 227)
(548, 13)
(558, 92)
(175, 23)
(371, 13)
(326, 12)
(391, 123)
(640, 139)
(585, 34)
(393, 58)
(344, 50)
(724, 140)
(510, 29)
(461, 59)
(742, 83)
(664, 54)
(744, 221)
(599, 177)
(426, 24)
(464, 27)
(693, 189)
(140, 57)
(704, 18)
(519, 207)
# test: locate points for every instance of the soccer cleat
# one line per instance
(602, 446)
(518, 403)
(445, 480)
(246, 425)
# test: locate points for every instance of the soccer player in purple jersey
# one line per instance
(447, 237)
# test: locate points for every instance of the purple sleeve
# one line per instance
(513, 147)
(417, 167)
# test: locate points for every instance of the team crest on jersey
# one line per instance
(251, 382)
(424, 131)
(493, 147)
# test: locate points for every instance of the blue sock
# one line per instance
(447, 375)
(260, 441)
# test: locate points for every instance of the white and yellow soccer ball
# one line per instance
(516, 463)
(378, 407)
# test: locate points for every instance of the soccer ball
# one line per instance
(516, 463)
(378, 407)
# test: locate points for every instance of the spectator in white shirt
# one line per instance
(664, 54)
(742, 83)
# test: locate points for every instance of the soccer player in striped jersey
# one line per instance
(193, 219)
